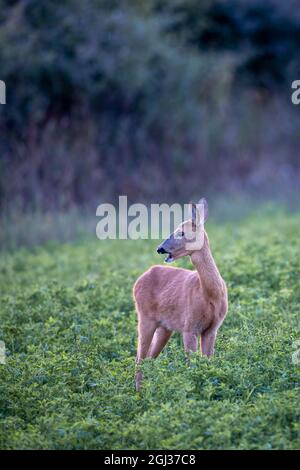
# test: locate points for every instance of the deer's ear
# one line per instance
(203, 208)
(199, 211)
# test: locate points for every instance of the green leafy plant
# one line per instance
(69, 326)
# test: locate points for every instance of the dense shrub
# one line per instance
(135, 97)
(266, 35)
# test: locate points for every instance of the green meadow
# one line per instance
(69, 327)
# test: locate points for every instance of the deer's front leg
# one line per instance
(146, 330)
(208, 339)
(190, 342)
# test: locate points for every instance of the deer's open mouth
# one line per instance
(169, 258)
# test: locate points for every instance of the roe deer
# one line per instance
(171, 299)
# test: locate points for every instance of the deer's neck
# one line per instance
(208, 272)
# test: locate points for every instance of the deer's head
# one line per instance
(189, 235)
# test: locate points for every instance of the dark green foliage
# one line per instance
(59, 56)
(91, 91)
(131, 97)
(69, 325)
(265, 36)
(70, 56)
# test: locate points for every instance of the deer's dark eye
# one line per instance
(179, 235)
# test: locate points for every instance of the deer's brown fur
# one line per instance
(171, 299)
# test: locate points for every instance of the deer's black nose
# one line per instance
(161, 250)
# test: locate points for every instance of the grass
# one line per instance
(69, 326)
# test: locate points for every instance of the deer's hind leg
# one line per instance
(146, 329)
(160, 339)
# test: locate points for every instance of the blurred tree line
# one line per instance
(151, 98)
